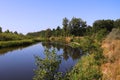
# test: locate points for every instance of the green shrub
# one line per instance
(101, 34)
(11, 36)
(47, 67)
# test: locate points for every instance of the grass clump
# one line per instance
(86, 69)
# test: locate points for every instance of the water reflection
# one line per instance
(74, 53)
(20, 61)
(10, 49)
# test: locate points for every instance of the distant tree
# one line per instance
(58, 31)
(48, 33)
(103, 24)
(7, 31)
(89, 30)
(65, 25)
(77, 26)
(117, 23)
(58, 28)
(0, 29)
(15, 32)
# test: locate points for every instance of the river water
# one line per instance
(19, 63)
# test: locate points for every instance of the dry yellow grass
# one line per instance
(111, 69)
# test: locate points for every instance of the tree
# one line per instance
(15, 32)
(88, 30)
(117, 23)
(0, 29)
(7, 31)
(103, 24)
(48, 33)
(76, 26)
(65, 25)
(58, 31)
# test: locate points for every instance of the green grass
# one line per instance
(11, 36)
(88, 67)
(5, 44)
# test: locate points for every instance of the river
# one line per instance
(19, 63)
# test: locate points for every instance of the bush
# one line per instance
(101, 34)
(47, 67)
(11, 36)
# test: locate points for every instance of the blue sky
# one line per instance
(34, 15)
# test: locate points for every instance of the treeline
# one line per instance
(9, 35)
(78, 27)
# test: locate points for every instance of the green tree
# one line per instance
(58, 31)
(77, 26)
(103, 24)
(0, 29)
(117, 23)
(15, 32)
(7, 31)
(48, 33)
(89, 30)
(65, 25)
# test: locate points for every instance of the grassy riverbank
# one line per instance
(5, 44)
(88, 67)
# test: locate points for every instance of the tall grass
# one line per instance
(4, 44)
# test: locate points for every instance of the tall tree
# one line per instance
(76, 26)
(0, 29)
(65, 25)
(48, 33)
(58, 31)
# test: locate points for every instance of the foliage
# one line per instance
(11, 36)
(48, 33)
(101, 34)
(4, 44)
(47, 67)
(65, 26)
(86, 69)
(77, 26)
(0, 29)
(117, 23)
(103, 24)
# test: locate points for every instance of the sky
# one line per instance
(26, 16)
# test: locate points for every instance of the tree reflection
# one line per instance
(10, 49)
(74, 53)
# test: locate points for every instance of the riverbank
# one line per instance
(111, 50)
(88, 67)
(104, 57)
(6, 44)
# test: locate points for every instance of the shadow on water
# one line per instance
(10, 49)
(74, 53)
(22, 62)
(69, 57)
